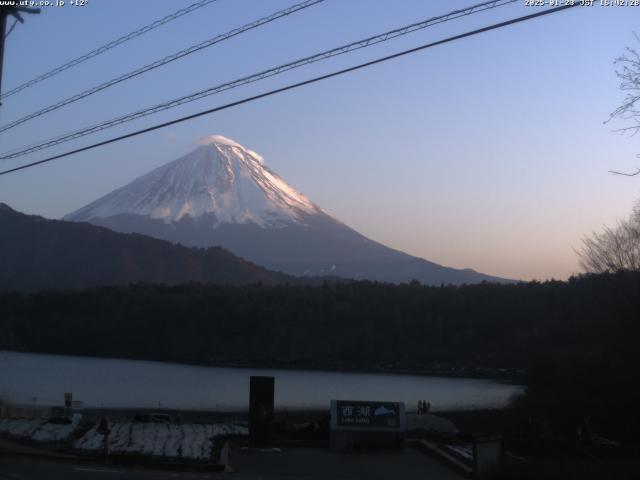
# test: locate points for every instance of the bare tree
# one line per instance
(618, 248)
(615, 249)
(628, 72)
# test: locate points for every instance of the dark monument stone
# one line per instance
(261, 391)
(488, 457)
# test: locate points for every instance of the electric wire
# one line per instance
(100, 50)
(296, 85)
(383, 37)
(163, 61)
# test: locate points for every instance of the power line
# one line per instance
(108, 46)
(383, 37)
(295, 85)
(163, 61)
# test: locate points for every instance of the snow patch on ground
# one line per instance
(191, 441)
(38, 429)
(463, 452)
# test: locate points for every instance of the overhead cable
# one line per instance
(383, 37)
(294, 86)
(108, 46)
(163, 61)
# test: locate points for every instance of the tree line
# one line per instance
(358, 324)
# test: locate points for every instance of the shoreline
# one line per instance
(281, 415)
(507, 376)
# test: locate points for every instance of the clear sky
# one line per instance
(489, 152)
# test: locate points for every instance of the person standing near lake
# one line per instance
(420, 407)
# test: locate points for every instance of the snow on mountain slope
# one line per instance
(219, 177)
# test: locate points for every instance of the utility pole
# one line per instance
(3, 28)
(14, 11)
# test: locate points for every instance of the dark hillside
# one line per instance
(36, 253)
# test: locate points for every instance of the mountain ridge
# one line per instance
(37, 253)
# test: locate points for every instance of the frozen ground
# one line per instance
(187, 441)
(40, 430)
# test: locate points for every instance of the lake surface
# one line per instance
(35, 379)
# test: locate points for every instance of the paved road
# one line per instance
(299, 464)
(319, 464)
(23, 468)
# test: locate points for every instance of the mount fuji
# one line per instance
(222, 194)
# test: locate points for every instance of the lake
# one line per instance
(35, 379)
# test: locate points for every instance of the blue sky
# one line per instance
(488, 152)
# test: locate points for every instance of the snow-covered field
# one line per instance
(188, 441)
(38, 429)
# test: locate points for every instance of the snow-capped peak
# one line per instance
(220, 140)
(219, 177)
(224, 141)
